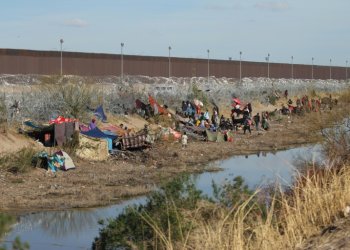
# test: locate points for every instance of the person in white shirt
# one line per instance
(184, 139)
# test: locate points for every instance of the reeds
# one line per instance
(316, 200)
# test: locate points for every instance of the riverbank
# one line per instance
(138, 172)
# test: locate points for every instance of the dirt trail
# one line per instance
(138, 172)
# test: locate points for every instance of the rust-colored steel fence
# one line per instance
(14, 61)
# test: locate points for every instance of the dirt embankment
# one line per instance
(138, 172)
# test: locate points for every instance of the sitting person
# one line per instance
(92, 124)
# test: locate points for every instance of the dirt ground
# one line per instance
(138, 172)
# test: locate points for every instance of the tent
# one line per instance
(58, 132)
(68, 162)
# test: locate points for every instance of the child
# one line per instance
(184, 139)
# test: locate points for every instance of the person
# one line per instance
(92, 124)
(286, 94)
(246, 125)
(206, 115)
(222, 120)
(257, 121)
(184, 139)
(264, 124)
(246, 112)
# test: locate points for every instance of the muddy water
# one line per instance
(76, 229)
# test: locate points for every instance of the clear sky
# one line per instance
(299, 28)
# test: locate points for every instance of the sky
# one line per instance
(302, 29)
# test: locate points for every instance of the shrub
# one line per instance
(18, 162)
(134, 228)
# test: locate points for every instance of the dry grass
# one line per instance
(20, 161)
(315, 202)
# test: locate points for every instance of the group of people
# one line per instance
(303, 104)
(203, 119)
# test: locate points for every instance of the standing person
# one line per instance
(286, 94)
(264, 124)
(257, 121)
(184, 139)
(246, 125)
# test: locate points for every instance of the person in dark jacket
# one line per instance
(257, 121)
(246, 125)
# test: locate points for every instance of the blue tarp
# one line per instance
(99, 113)
(97, 133)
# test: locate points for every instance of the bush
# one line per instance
(18, 162)
(73, 99)
(199, 94)
(135, 227)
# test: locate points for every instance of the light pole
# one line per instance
(208, 51)
(61, 42)
(240, 66)
(122, 62)
(169, 62)
(312, 68)
(268, 65)
(292, 68)
(330, 69)
(346, 70)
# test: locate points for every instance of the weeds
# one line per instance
(18, 162)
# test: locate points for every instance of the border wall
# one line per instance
(15, 61)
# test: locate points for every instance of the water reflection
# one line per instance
(278, 166)
(72, 229)
(59, 224)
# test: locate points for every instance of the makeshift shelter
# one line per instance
(97, 133)
(43, 133)
(94, 149)
(59, 160)
(59, 131)
(68, 162)
(132, 141)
